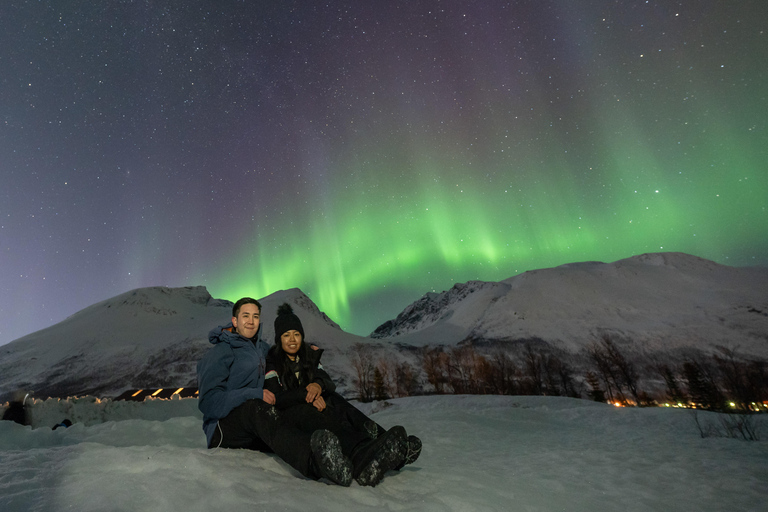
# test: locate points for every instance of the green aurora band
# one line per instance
(595, 146)
(442, 222)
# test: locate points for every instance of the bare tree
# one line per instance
(702, 386)
(463, 366)
(405, 380)
(501, 374)
(674, 393)
(744, 382)
(434, 362)
(533, 371)
(627, 375)
(550, 372)
(379, 389)
(595, 392)
(618, 374)
(362, 362)
(565, 377)
(388, 371)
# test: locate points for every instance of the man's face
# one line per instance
(246, 322)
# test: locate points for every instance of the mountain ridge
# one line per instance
(639, 297)
(655, 305)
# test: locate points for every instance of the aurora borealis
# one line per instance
(369, 152)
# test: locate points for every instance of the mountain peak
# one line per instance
(433, 307)
(678, 260)
(297, 298)
(162, 299)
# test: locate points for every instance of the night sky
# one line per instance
(368, 152)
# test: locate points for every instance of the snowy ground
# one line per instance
(480, 453)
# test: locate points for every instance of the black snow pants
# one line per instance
(256, 425)
(347, 413)
(308, 419)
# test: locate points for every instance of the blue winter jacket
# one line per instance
(229, 374)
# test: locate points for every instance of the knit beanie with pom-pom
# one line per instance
(285, 321)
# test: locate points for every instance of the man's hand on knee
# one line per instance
(269, 397)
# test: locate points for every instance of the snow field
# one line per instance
(481, 453)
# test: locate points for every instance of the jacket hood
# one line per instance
(228, 334)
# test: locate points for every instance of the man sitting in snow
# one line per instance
(238, 412)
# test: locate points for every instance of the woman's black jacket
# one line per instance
(290, 389)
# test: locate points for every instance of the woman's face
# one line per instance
(291, 341)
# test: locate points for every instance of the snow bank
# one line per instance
(89, 410)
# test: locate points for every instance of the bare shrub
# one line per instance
(739, 425)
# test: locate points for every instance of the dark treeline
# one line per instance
(463, 370)
(722, 382)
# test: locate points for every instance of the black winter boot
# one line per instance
(328, 460)
(413, 451)
(376, 457)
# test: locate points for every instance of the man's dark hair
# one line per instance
(242, 302)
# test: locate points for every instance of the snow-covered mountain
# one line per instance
(653, 304)
(115, 343)
(148, 337)
(658, 302)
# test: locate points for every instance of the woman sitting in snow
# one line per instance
(306, 397)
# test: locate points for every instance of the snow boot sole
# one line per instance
(387, 452)
(329, 460)
(412, 452)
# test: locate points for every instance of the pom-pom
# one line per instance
(284, 309)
